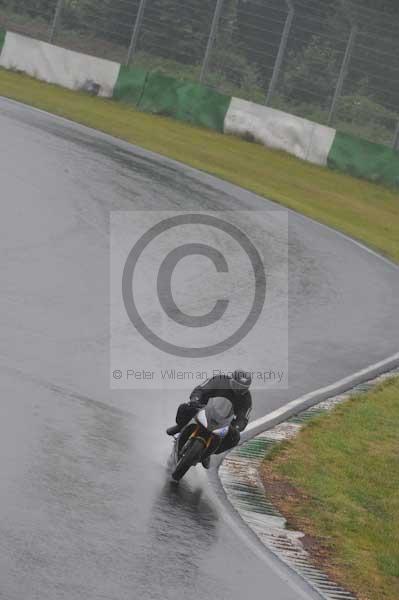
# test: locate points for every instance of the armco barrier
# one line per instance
(157, 93)
(185, 101)
(364, 159)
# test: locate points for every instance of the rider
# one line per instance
(236, 389)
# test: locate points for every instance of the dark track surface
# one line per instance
(86, 510)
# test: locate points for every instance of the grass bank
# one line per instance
(365, 211)
(338, 482)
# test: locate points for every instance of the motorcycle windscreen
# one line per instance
(219, 413)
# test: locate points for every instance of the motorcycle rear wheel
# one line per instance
(189, 458)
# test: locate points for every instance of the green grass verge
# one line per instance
(346, 467)
(363, 210)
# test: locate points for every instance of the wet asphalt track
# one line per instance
(86, 510)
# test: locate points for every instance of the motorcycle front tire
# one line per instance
(190, 457)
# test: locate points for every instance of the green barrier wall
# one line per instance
(185, 101)
(364, 159)
(130, 85)
(2, 38)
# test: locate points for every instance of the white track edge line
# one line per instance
(316, 396)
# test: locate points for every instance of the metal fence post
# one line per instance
(281, 52)
(395, 144)
(343, 72)
(136, 31)
(211, 38)
(56, 20)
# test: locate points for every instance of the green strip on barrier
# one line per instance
(185, 101)
(130, 85)
(2, 38)
(364, 159)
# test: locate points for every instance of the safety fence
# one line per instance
(335, 62)
(154, 92)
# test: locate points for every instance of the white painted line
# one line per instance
(308, 400)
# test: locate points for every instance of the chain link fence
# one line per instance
(332, 61)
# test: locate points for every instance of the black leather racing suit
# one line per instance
(218, 386)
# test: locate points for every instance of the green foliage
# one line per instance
(111, 19)
(234, 67)
(33, 8)
(362, 109)
(178, 30)
(389, 6)
(312, 72)
(310, 78)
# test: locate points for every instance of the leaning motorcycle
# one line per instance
(202, 436)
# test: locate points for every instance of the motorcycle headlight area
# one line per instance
(201, 418)
(222, 432)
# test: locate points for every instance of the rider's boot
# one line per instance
(206, 462)
(173, 430)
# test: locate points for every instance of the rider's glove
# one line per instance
(236, 427)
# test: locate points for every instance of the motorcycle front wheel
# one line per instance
(189, 458)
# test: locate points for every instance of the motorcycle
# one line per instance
(202, 436)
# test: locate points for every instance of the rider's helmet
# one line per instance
(241, 381)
